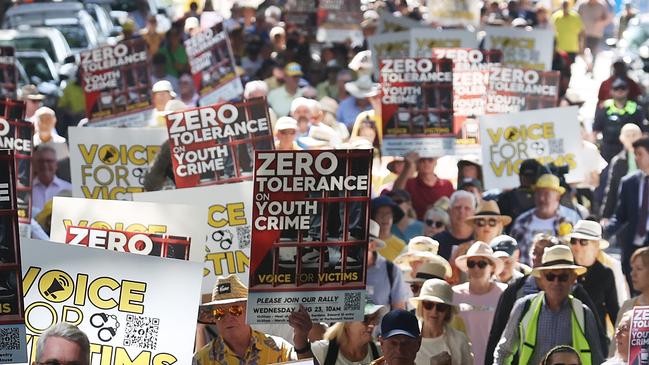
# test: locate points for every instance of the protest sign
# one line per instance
(531, 49)
(417, 106)
(214, 144)
(114, 168)
(309, 234)
(16, 134)
(116, 82)
(389, 45)
(423, 40)
(8, 73)
(339, 21)
(13, 348)
(454, 12)
(135, 309)
(389, 23)
(210, 58)
(227, 216)
(301, 14)
(639, 336)
(470, 79)
(515, 89)
(106, 219)
(548, 135)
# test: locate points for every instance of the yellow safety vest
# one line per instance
(629, 108)
(527, 330)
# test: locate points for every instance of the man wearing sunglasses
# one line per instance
(552, 317)
(63, 344)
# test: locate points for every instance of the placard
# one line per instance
(389, 23)
(213, 68)
(515, 89)
(214, 144)
(422, 41)
(639, 336)
(13, 348)
(339, 21)
(309, 235)
(417, 106)
(227, 216)
(389, 45)
(522, 48)
(133, 308)
(548, 135)
(114, 166)
(454, 12)
(116, 82)
(8, 73)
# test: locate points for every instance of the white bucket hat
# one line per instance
(435, 267)
(163, 85)
(556, 258)
(363, 87)
(589, 230)
(479, 249)
(434, 290)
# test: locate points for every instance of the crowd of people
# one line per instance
(455, 274)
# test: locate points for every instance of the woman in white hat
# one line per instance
(478, 298)
(435, 309)
(421, 249)
(487, 222)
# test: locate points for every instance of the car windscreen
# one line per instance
(75, 34)
(27, 43)
(36, 66)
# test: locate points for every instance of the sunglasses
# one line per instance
(234, 310)
(481, 222)
(582, 242)
(436, 224)
(440, 307)
(480, 264)
(562, 277)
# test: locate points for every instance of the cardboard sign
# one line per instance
(226, 212)
(175, 220)
(8, 73)
(548, 135)
(454, 12)
(309, 234)
(530, 49)
(639, 336)
(389, 23)
(114, 166)
(16, 134)
(116, 81)
(214, 144)
(514, 89)
(134, 308)
(213, 68)
(422, 41)
(417, 106)
(339, 21)
(13, 348)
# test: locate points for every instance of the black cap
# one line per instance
(400, 322)
(530, 167)
(619, 83)
(384, 201)
(504, 243)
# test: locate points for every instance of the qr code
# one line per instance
(556, 145)
(243, 234)
(141, 332)
(9, 339)
(352, 301)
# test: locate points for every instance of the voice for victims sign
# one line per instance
(214, 144)
(134, 309)
(548, 135)
(417, 106)
(226, 212)
(116, 82)
(309, 234)
(114, 168)
(212, 64)
(531, 49)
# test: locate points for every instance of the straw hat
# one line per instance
(425, 249)
(227, 290)
(549, 181)
(556, 258)
(489, 209)
(363, 87)
(589, 230)
(434, 290)
(479, 249)
(435, 267)
(374, 234)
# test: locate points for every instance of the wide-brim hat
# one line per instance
(549, 181)
(479, 249)
(371, 309)
(362, 60)
(556, 258)
(435, 266)
(227, 290)
(588, 230)
(384, 201)
(30, 92)
(363, 87)
(489, 209)
(434, 290)
(374, 234)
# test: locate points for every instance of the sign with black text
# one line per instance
(515, 89)
(522, 48)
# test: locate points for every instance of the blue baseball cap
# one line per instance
(400, 322)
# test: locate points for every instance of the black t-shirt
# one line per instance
(447, 241)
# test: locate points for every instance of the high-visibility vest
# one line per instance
(528, 326)
(629, 108)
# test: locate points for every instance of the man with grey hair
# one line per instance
(63, 343)
(45, 127)
(462, 206)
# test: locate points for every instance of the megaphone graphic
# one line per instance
(57, 285)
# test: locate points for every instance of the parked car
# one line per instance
(40, 70)
(48, 39)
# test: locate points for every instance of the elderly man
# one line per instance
(547, 216)
(280, 98)
(45, 119)
(459, 230)
(552, 317)
(33, 100)
(63, 343)
(46, 184)
(426, 188)
(400, 338)
(237, 342)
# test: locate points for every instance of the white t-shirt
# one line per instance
(431, 347)
(319, 350)
(538, 225)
